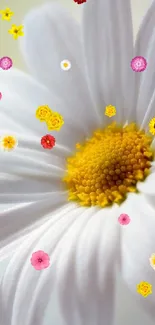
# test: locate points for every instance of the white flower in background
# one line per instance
(83, 238)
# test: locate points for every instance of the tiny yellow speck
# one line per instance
(152, 126)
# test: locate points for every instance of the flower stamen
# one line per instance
(108, 165)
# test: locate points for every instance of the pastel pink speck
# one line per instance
(124, 219)
(40, 260)
(138, 64)
(6, 63)
(0, 95)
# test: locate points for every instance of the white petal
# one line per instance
(29, 173)
(21, 219)
(108, 44)
(22, 96)
(86, 269)
(145, 46)
(138, 244)
(148, 186)
(61, 40)
(22, 274)
(59, 237)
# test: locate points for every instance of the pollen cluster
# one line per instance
(108, 165)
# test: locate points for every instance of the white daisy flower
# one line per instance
(82, 238)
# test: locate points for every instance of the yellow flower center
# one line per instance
(108, 165)
(65, 65)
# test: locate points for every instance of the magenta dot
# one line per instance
(138, 64)
(6, 63)
(0, 95)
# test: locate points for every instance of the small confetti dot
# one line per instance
(138, 64)
(8, 142)
(110, 110)
(152, 260)
(152, 126)
(48, 141)
(65, 65)
(79, 2)
(124, 219)
(144, 288)
(0, 95)
(6, 63)
(40, 260)
(54, 122)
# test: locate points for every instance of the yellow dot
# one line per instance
(102, 165)
(144, 288)
(110, 110)
(152, 126)
(8, 142)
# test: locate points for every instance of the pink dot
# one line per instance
(124, 219)
(6, 63)
(138, 64)
(0, 95)
(40, 260)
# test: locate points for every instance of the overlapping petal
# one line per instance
(108, 41)
(17, 110)
(61, 41)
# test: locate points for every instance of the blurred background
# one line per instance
(127, 311)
